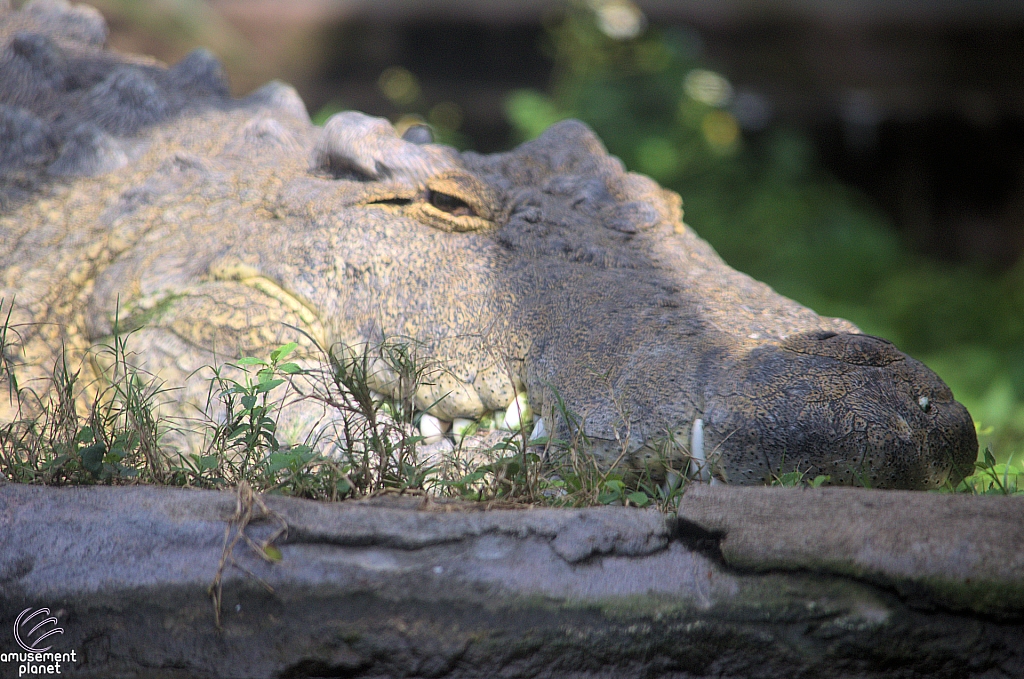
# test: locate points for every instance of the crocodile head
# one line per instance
(552, 269)
(217, 225)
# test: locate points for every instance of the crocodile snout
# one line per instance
(848, 405)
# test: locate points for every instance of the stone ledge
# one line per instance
(750, 583)
(957, 551)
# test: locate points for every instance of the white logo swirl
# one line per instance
(25, 620)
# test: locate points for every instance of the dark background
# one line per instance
(879, 168)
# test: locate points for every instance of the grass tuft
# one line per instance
(365, 444)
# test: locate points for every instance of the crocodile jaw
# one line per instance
(859, 411)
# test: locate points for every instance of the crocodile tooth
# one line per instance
(432, 429)
(698, 461)
(539, 430)
(517, 414)
(672, 482)
(463, 426)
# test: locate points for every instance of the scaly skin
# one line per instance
(213, 225)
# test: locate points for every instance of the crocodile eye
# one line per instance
(924, 403)
(456, 201)
(450, 204)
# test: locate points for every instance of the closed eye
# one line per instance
(390, 201)
(450, 204)
(452, 201)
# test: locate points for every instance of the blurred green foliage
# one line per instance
(770, 210)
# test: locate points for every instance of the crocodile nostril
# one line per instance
(852, 348)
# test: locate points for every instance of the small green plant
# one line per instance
(510, 477)
(992, 478)
(377, 434)
(7, 350)
(43, 444)
(249, 431)
(795, 478)
(123, 422)
(243, 444)
(118, 440)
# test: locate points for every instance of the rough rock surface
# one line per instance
(215, 227)
(957, 551)
(406, 588)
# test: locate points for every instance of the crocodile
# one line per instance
(143, 194)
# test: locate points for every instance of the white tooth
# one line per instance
(539, 430)
(432, 429)
(462, 427)
(517, 414)
(698, 461)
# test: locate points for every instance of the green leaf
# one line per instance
(282, 351)
(472, 477)
(990, 459)
(639, 499)
(248, 401)
(301, 453)
(273, 553)
(85, 435)
(92, 458)
(250, 360)
(614, 485)
(791, 479)
(290, 368)
(264, 387)
(278, 461)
